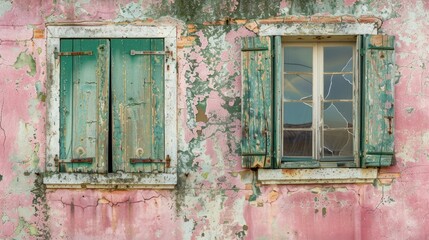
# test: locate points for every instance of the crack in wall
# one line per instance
(104, 200)
(1, 126)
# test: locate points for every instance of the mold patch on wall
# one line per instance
(5, 6)
(26, 60)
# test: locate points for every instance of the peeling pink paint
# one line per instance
(215, 198)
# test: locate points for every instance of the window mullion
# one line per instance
(316, 101)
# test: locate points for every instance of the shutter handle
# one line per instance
(389, 131)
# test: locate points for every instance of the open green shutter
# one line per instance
(378, 73)
(84, 95)
(138, 105)
(257, 101)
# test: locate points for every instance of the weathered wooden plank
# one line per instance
(157, 68)
(135, 104)
(84, 105)
(66, 102)
(378, 100)
(257, 97)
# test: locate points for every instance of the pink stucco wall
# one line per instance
(212, 199)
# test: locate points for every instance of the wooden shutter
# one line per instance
(138, 105)
(378, 73)
(257, 102)
(84, 96)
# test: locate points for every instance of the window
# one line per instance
(317, 101)
(112, 99)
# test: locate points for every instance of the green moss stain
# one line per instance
(24, 60)
(40, 204)
(324, 212)
(39, 90)
(199, 11)
(305, 7)
(1, 177)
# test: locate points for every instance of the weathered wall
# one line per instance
(215, 198)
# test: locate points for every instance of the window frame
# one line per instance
(317, 46)
(139, 180)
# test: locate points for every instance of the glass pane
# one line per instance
(298, 87)
(338, 86)
(298, 59)
(338, 59)
(297, 143)
(338, 143)
(297, 115)
(338, 115)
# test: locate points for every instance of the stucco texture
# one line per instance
(215, 198)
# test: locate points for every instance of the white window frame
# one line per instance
(324, 175)
(317, 91)
(52, 178)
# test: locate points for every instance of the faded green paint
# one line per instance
(26, 60)
(256, 119)
(84, 109)
(137, 104)
(378, 100)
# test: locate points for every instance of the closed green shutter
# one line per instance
(378, 73)
(84, 96)
(138, 105)
(257, 102)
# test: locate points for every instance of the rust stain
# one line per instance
(201, 114)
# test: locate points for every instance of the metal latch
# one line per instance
(144, 160)
(59, 54)
(167, 53)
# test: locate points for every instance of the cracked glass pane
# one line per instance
(338, 115)
(298, 59)
(297, 143)
(338, 86)
(297, 115)
(338, 143)
(298, 87)
(338, 59)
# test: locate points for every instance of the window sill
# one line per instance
(317, 176)
(111, 180)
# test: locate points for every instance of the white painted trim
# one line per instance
(310, 28)
(110, 180)
(55, 33)
(317, 176)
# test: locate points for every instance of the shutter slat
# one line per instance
(378, 100)
(257, 98)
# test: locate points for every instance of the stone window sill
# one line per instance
(111, 180)
(317, 176)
